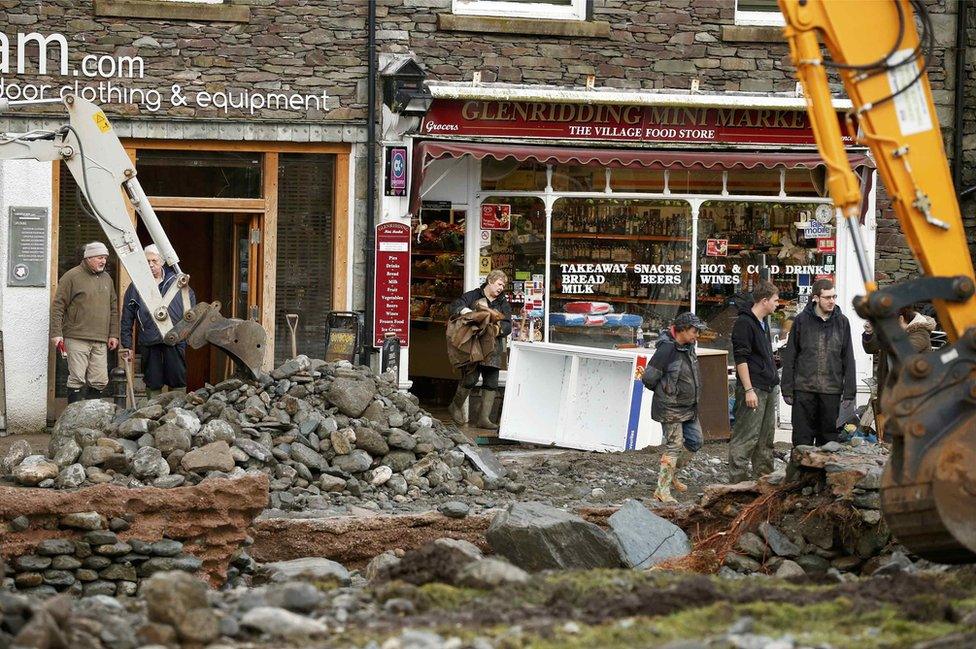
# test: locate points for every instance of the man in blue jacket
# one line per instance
(672, 374)
(162, 364)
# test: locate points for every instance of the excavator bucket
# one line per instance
(242, 340)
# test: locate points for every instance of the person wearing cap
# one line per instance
(162, 364)
(672, 374)
(84, 317)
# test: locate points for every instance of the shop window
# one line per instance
(756, 182)
(807, 182)
(206, 174)
(519, 251)
(739, 242)
(579, 178)
(625, 179)
(757, 12)
(695, 181)
(619, 268)
(544, 9)
(437, 263)
(511, 175)
(305, 249)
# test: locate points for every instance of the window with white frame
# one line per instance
(757, 12)
(545, 9)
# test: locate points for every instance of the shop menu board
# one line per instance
(391, 294)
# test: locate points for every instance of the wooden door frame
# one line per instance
(266, 207)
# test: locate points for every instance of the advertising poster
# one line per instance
(717, 248)
(496, 216)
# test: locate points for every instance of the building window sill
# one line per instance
(536, 27)
(201, 12)
(753, 34)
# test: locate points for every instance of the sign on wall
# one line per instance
(391, 288)
(396, 171)
(496, 216)
(601, 122)
(27, 247)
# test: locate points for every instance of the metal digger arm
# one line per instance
(105, 175)
(929, 485)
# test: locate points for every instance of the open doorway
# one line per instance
(215, 249)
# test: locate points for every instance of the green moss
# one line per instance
(444, 597)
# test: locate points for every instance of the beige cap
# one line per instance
(95, 249)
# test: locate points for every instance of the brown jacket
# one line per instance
(85, 306)
(919, 332)
(471, 339)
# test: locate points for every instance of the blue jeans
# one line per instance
(688, 433)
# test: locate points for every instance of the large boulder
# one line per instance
(351, 396)
(535, 536)
(91, 413)
(16, 454)
(34, 470)
(312, 568)
(212, 457)
(645, 538)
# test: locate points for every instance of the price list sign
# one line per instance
(391, 294)
(27, 247)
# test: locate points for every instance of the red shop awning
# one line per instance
(429, 150)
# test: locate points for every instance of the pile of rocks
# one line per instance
(97, 563)
(322, 431)
(833, 524)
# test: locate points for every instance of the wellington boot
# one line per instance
(665, 477)
(456, 409)
(683, 457)
(75, 395)
(487, 401)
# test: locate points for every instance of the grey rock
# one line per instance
(454, 509)
(304, 455)
(356, 462)
(117, 571)
(831, 447)
(485, 461)
(313, 568)
(184, 563)
(379, 564)
(280, 623)
(330, 483)
(342, 440)
(169, 596)
(113, 549)
(170, 437)
(18, 452)
(399, 461)
(71, 477)
(490, 573)
(372, 442)
(778, 542)
(31, 563)
(67, 454)
(645, 538)
(183, 419)
(752, 545)
(65, 562)
(216, 430)
(535, 537)
(101, 537)
(401, 439)
(148, 463)
(34, 469)
(298, 596)
(58, 578)
(20, 523)
(789, 570)
(83, 521)
(253, 449)
(51, 547)
(134, 428)
(85, 437)
(742, 563)
(94, 455)
(397, 484)
(169, 481)
(291, 367)
(380, 475)
(351, 396)
(166, 548)
(813, 564)
(100, 587)
(896, 563)
(90, 413)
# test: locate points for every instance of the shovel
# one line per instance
(292, 319)
(130, 392)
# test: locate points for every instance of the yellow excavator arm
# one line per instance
(929, 485)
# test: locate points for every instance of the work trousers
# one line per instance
(489, 377)
(87, 363)
(163, 365)
(682, 433)
(815, 418)
(752, 435)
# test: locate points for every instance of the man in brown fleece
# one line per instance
(85, 317)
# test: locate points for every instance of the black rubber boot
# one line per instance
(75, 394)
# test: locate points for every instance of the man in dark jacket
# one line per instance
(490, 296)
(755, 391)
(162, 364)
(672, 374)
(818, 367)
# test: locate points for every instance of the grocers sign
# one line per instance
(520, 119)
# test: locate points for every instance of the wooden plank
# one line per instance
(52, 406)
(238, 145)
(269, 253)
(199, 204)
(340, 236)
(124, 279)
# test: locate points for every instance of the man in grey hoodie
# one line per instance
(818, 367)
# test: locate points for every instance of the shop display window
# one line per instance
(437, 262)
(637, 179)
(756, 182)
(807, 182)
(208, 174)
(579, 178)
(695, 181)
(794, 243)
(619, 268)
(519, 251)
(511, 175)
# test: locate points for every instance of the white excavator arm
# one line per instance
(106, 176)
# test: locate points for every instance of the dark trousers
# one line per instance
(815, 418)
(163, 365)
(489, 377)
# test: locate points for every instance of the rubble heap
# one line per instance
(321, 431)
(828, 519)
